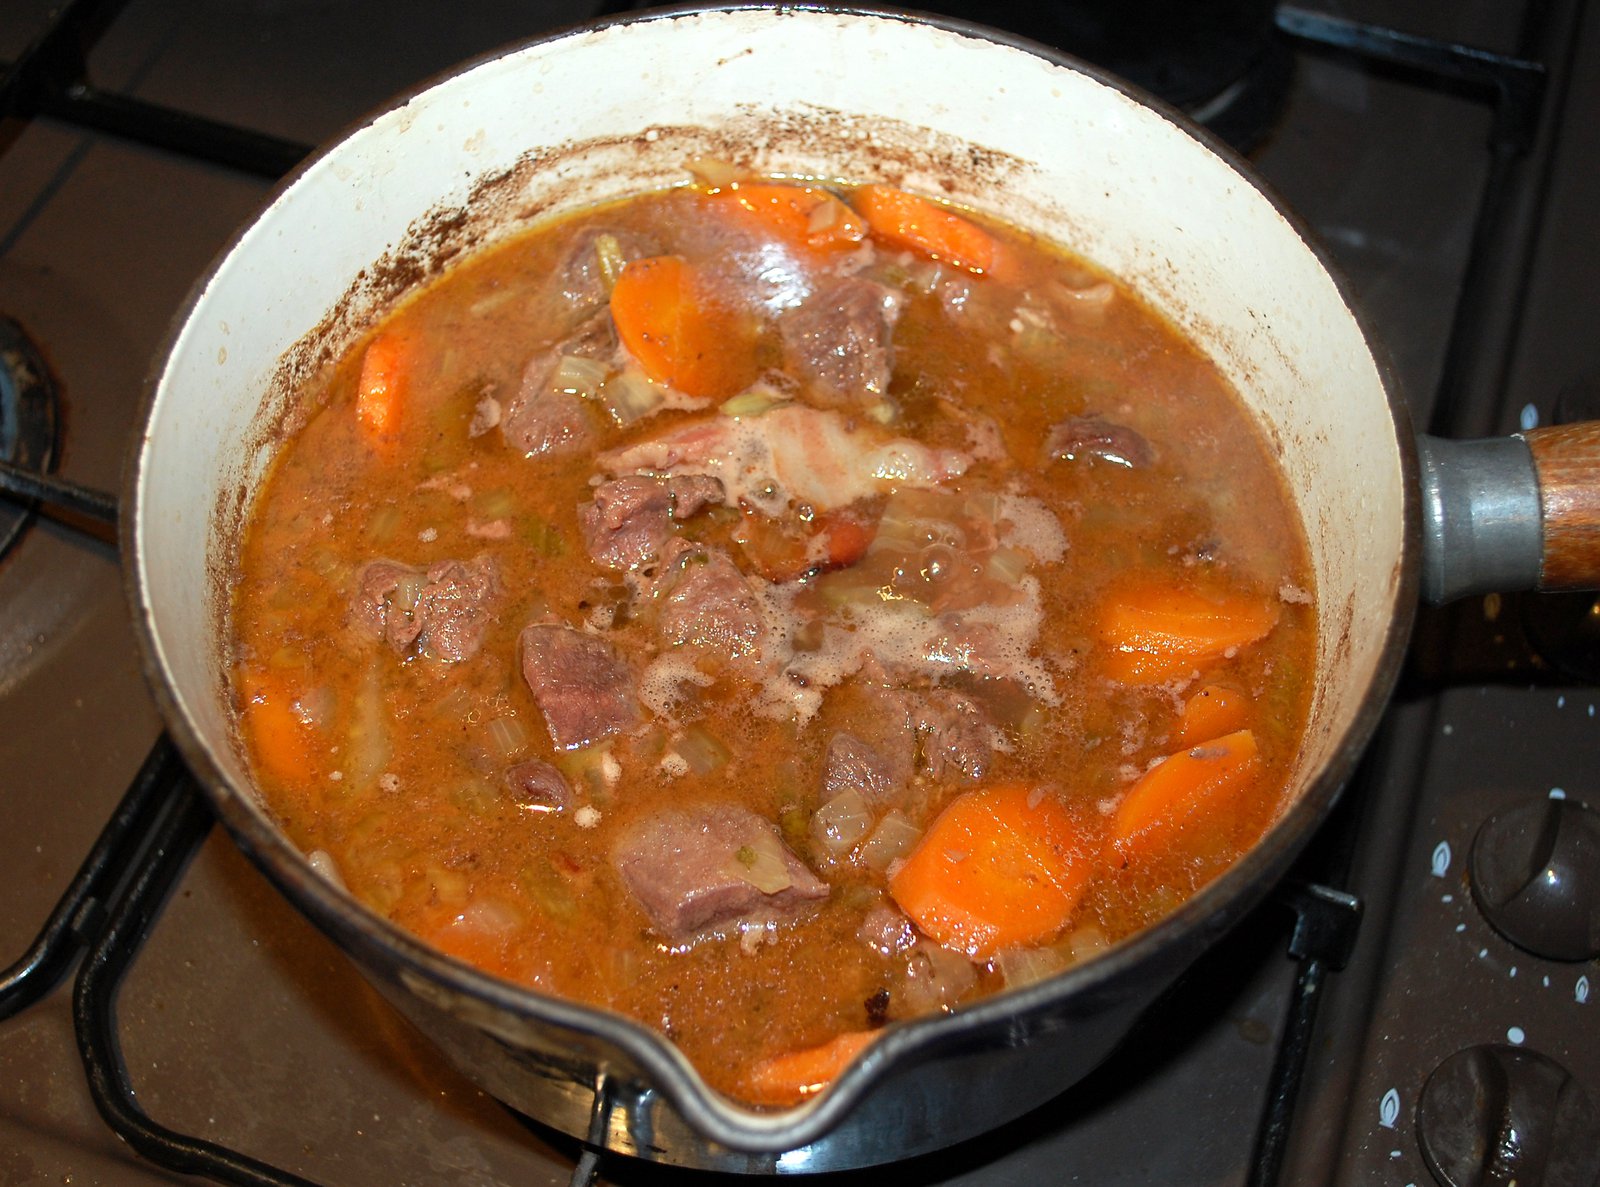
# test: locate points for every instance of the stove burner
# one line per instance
(1222, 63)
(28, 417)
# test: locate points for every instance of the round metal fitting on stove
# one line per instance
(1494, 1116)
(1535, 875)
(27, 419)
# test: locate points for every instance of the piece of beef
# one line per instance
(979, 648)
(580, 276)
(955, 734)
(443, 611)
(542, 420)
(581, 685)
(630, 518)
(886, 930)
(1091, 437)
(708, 602)
(536, 786)
(839, 340)
(704, 867)
(385, 602)
(853, 765)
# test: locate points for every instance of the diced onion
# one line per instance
(1086, 942)
(490, 917)
(407, 589)
(924, 276)
(761, 864)
(1007, 566)
(840, 823)
(714, 173)
(591, 769)
(450, 887)
(322, 862)
(383, 523)
(316, 705)
(508, 736)
(288, 657)
(368, 752)
(883, 412)
(324, 563)
(701, 750)
(1098, 295)
(609, 249)
(754, 402)
(498, 504)
(935, 978)
(579, 376)
(823, 215)
(893, 838)
(1024, 966)
(628, 396)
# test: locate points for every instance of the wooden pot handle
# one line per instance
(1566, 460)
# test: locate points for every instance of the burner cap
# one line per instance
(28, 417)
(1222, 62)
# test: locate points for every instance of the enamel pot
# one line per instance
(1032, 137)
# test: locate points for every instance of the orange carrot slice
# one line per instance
(678, 331)
(789, 1078)
(906, 220)
(381, 389)
(277, 730)
(1203, 780)
(802, 216)
(443, 927)
(1155, 632)
(1001, 867)
(1214, 710)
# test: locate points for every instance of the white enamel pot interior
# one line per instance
(620, 107)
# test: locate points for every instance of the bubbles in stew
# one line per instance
(770, 611)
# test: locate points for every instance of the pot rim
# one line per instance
(1194, 925)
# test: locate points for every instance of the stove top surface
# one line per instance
(243, 1025)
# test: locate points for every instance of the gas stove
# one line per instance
(1345, 1034)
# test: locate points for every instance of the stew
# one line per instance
(770, 610)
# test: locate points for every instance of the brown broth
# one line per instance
(392, 765)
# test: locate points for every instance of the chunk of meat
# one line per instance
(542, 419)
(787, 548)
(630, 518)
(580, 683)
(442, 611)
(794, 452)
(538, 787)
(711, 866)
(853, 765)
(956, 735)
(708, 602)
(839, 341)
(1091, 437)
(886, 930)
(581, 277)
